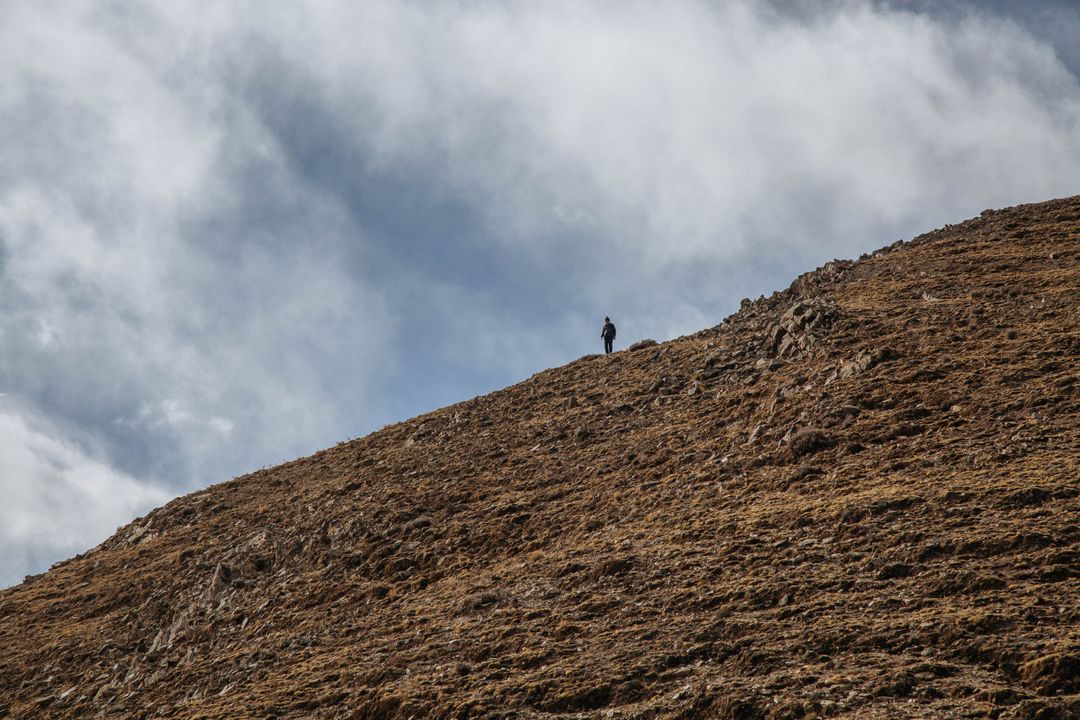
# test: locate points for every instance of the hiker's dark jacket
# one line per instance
(608, 333)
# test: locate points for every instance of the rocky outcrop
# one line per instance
(797, 331)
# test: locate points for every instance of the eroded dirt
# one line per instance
(857, 498)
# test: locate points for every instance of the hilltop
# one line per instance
(856, 498)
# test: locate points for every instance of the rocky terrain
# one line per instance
(856, 498)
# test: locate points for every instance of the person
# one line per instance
(608, 333)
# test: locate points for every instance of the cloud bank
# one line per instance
(616, 147)
(57, 497)
(231, 234)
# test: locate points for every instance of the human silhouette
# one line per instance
(608, 333)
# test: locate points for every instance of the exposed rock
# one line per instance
(797, 330)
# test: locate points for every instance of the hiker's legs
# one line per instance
(607, 345)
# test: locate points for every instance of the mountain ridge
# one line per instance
(854, 498)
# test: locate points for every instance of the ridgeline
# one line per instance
(857, 498)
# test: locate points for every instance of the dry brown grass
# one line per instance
(628, 536)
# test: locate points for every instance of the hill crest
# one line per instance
(854, 498)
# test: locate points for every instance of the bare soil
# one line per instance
(857, 498)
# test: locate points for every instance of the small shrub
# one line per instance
(808, 440)
(642, 344)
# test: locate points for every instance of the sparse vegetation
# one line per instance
(845, 501)
(808, 440)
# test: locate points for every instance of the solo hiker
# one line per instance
(608, 333)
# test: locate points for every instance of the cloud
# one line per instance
(719, 133)
(58, 497)
(234, 235)
(169, 291)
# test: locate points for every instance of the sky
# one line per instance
(236, 233)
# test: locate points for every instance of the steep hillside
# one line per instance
(856, 498)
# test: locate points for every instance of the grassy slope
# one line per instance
(883, 523)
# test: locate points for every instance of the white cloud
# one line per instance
(697, 134)
(148, 294)
(693, 130)
(58, 498)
